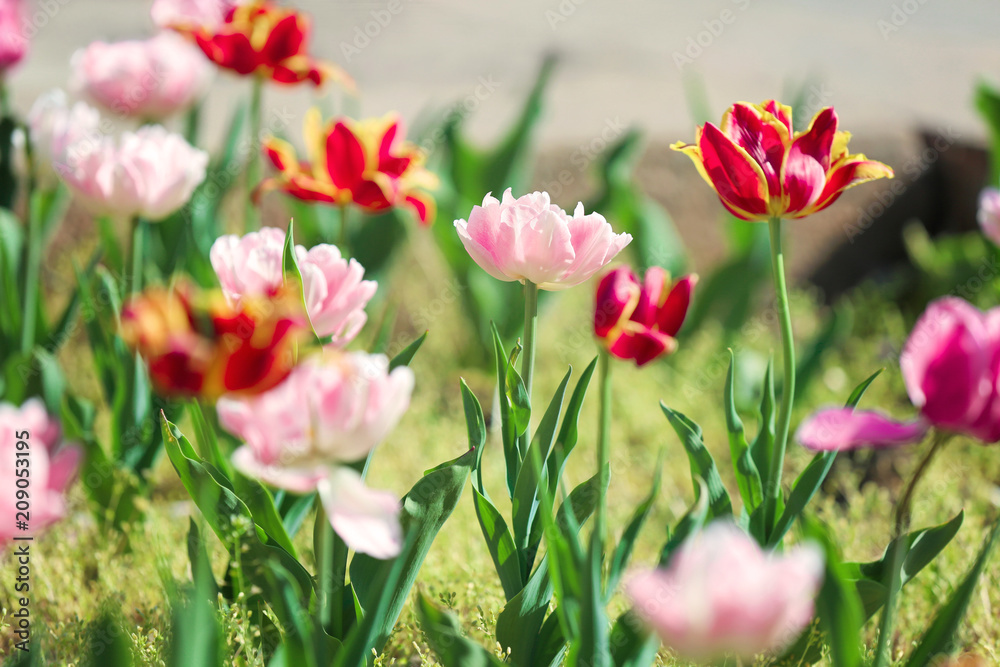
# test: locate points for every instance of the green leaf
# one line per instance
(476, 425)
(195, 639)
(805, 487)
(763, 445)
(290, 267)
(444, 634)
(228, 516)
(501, 545)
(690, 523)
(702, 464)
(425, 509)
(406, 355)
(569, 430)
(297, 641)
(859, 391)
(922, 546)
(524, 504)
(108, 639)
(591, 647)
(512, 457)
(747, 476)
(632, 644)
(988, 104)
(520, 621)
(940, 636)
(517, 395)
(623, 551)
(574, 511)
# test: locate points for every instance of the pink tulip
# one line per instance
(530, 239)
(330, 411)
(951, 367)
(54, 127)
(335, 293)
(50, 469)
(989, 214)
(721, 594)
(148, 79)
(150, 173)
(13, 43)
(191, 13)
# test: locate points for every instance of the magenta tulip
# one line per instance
(530, 239)
(32, 458)
(13, 43)
(336, 294)
(951, 367)
(722, 594)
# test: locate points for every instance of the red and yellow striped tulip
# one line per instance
(196, 344)
(367, 163)
(761, 169)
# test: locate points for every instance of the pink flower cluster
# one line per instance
(146, 79)
(531, 239)
(722, 594)
(331, 411)
(49, 468)
(335, 292)
(951, 367)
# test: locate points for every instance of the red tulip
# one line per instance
(367, 163)
(639, 321)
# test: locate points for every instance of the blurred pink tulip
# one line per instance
(13, 43)
(989, 214)
(150, 173)
(721, 594)
(49, 468)
(191, 13)
(336, 294)
(951, 367)
(529, 238)
(149, 79)
(331, 410)
(54, 127)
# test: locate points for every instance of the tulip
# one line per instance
(196, 344)
(149, 173)
(334, 290)
(722, 594)
(13, 43)
(366, 163)
(761, 169)
(951, 367)
(332, 410)
(989, 214)
(54, 126)
(639, 321)
(42, 466)
(149, 79)
(256, 37)
(530, 239)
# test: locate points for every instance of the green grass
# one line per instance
(80, 570)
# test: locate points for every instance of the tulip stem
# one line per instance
(901, 524)
(603, 441)
(530, 326)
(330, 571)
(345, 238)
(138, 235)
(251, 219)
(788, 386)
(32, 278)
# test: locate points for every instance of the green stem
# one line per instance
(530, 327)
(138, 235)
(252, 217)
(887, 624)
(603, 441)
(32, 278)
(788, 386)
(345, 238)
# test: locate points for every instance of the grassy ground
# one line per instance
(80, 570)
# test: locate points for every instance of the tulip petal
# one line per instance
(735, 175)
(651, 296)
(285, 40)
(846, 173)
(674, 310)
(617, 296)
(641, 345)
(345, 157)
(367, 520)
(764, 142)
(808, 160)
(423, 205)
(842, 429)
(296, 480)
